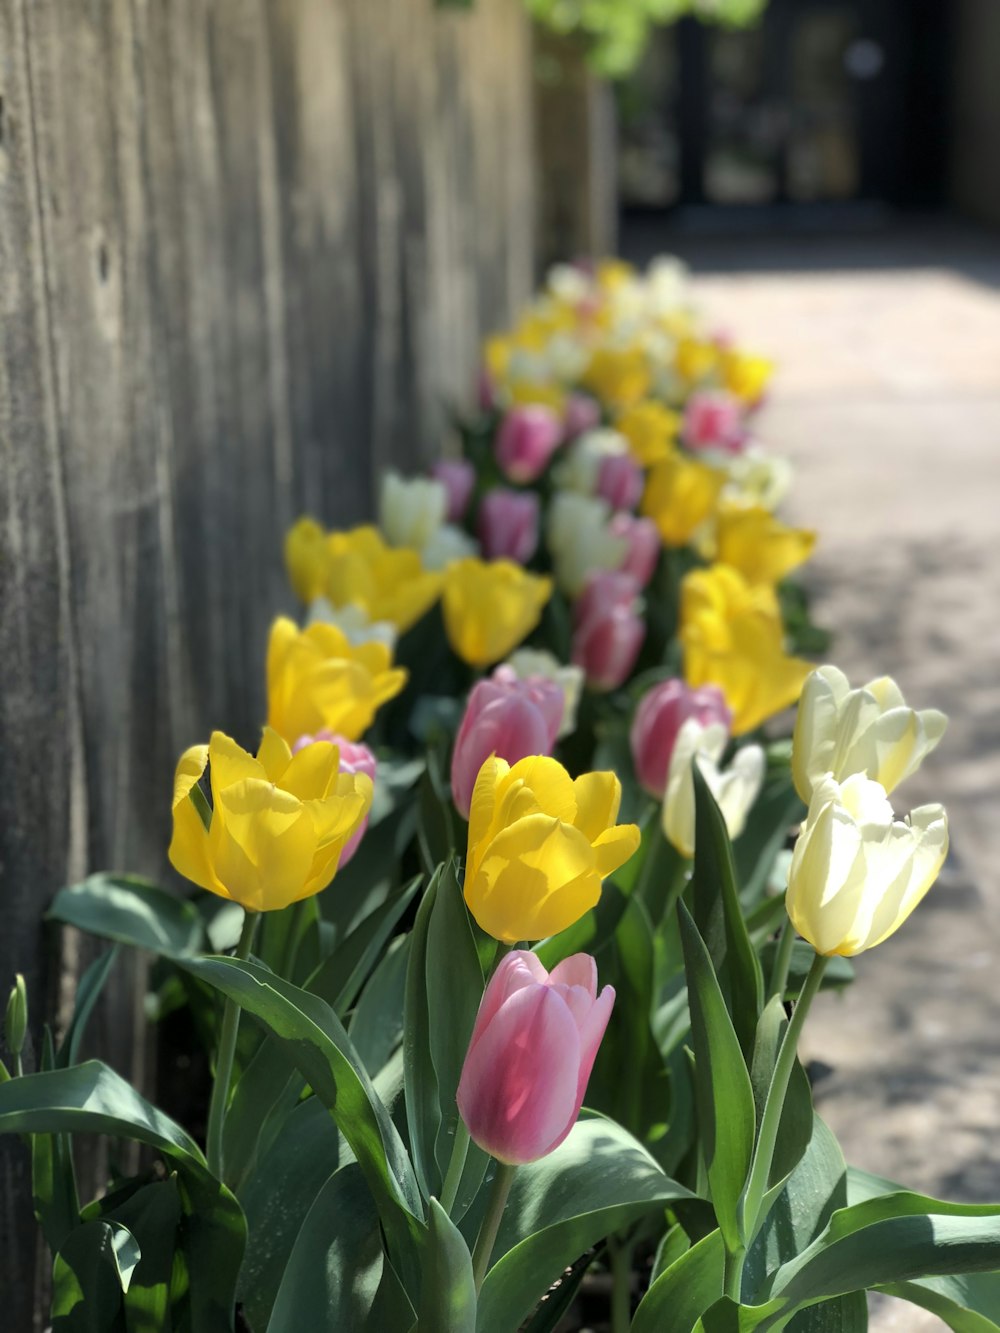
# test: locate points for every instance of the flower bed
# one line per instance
(505, 935)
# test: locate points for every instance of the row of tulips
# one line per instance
(525, 904)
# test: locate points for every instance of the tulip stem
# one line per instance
(224, 1058)
(760, 1170)
(499, 1191)
(459, 1153)
(620, 1255)
(782, 960)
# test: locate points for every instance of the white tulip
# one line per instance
(447, 544)
(857, 872)
(868, 731)
(734, 789)
(411, 509)
(581, 541)
(352, 621)
(580, 467)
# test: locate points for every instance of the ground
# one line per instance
(887, 398)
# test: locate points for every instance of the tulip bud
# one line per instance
(507, 717)
(713, 420)
(527, 662)
(662, 712)
(532, 1050)
(458, 477)
(354, 758)
(16, 1023)
(643, 544)
(735, 789)
(411, 509)
(619, 481)
(507, 524)
(609, 630)
(857, 872)
(447, 544)
(583, 413)
(581, 540)
(527, 439)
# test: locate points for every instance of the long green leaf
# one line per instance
(685, 1290)
(599, 1180)
(448, 1295)
(90, 1276)
(723, 1092)
(131, 911)
(423, 1108)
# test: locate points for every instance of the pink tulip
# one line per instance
(582, 413)
(458, 477)
(643, 538)
(619, 481)
(507, 525)
(714, 420)
(354, 758)
(527, 439)
(609, 630)
(486, 390)
(508, 717)
(658, 719)
(533, 1046)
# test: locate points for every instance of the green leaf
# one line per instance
(774, 812)
(723, 1092)
(90, 1275)
(376, 1026)
(436, 832)
(557, 1302)
(88, 992)
(339, 978)
(681, 1294)
(796, 1125)
(423, 1110)
(318, 1045)
(967, 1304)
(448, 1294)
(838, 974)
(336, 1267)
(131, 911)
(597, 1181)
(719, 916)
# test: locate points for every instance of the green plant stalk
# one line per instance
(499, 1191)
(760, 1168)
(224, 1062)
(782, 960)
(459, 1153)
(733, 1281)
(621, 1285)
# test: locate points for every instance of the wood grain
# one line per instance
(247, 250)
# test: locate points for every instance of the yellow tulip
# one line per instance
(746, 376)
(306, 559)
(759, 545)
(387, 583)
(527, 393)
(651, 430)
(611, 274)
(857, 872)
(733, 637)
(318, 680)
(869, 731)
(540, 844)
(490, 607)
(681, 493)
(618, 376)
(695, 360)
(277, 823)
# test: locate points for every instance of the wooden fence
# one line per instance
(247, 248)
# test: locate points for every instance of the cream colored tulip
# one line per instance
(857, 872)
(868, 731)
(734, 789)
(411, 510)
(581, 540)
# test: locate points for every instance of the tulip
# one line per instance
(609, 630)
(695, 359)
(651, 430)
(662, 712)
(857, 872)
(278, 824)
(507, 524)
(533, 662)
(352, 621)
(458, 477)
(734, 789)
(582, 414)
(581, 540)
(317, 680)
(745, 376)
(385, 583)
(643, 546)
(533, 1046)
(528, 437)
(869, 731)
(681, 493)
(354, 758)
(489, 608)
(619, 377)
(580, 469)
(733, 637)
(447, 544)
(540, 843)
(755, 477)
(713, 420)
(759, 545)
(411, 509)
(508, 717)
(619, 481)
(306, 558)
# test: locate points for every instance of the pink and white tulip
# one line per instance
(643, 539)
(619, 481)
(507, 525)
(662, 712)
(532, 1050)
(527, 439)
(713, 419)
(609, 630)
(458, 476)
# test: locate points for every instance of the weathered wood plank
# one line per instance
(247, 251)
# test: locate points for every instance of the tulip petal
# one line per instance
(579, 969)
(598, 798)
(312, 772)
(229, 763)
(189, 845)
(263, 843)
(519, 1084)
(273, 755)
(519, 969)
(614, 847)
(925, 844)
